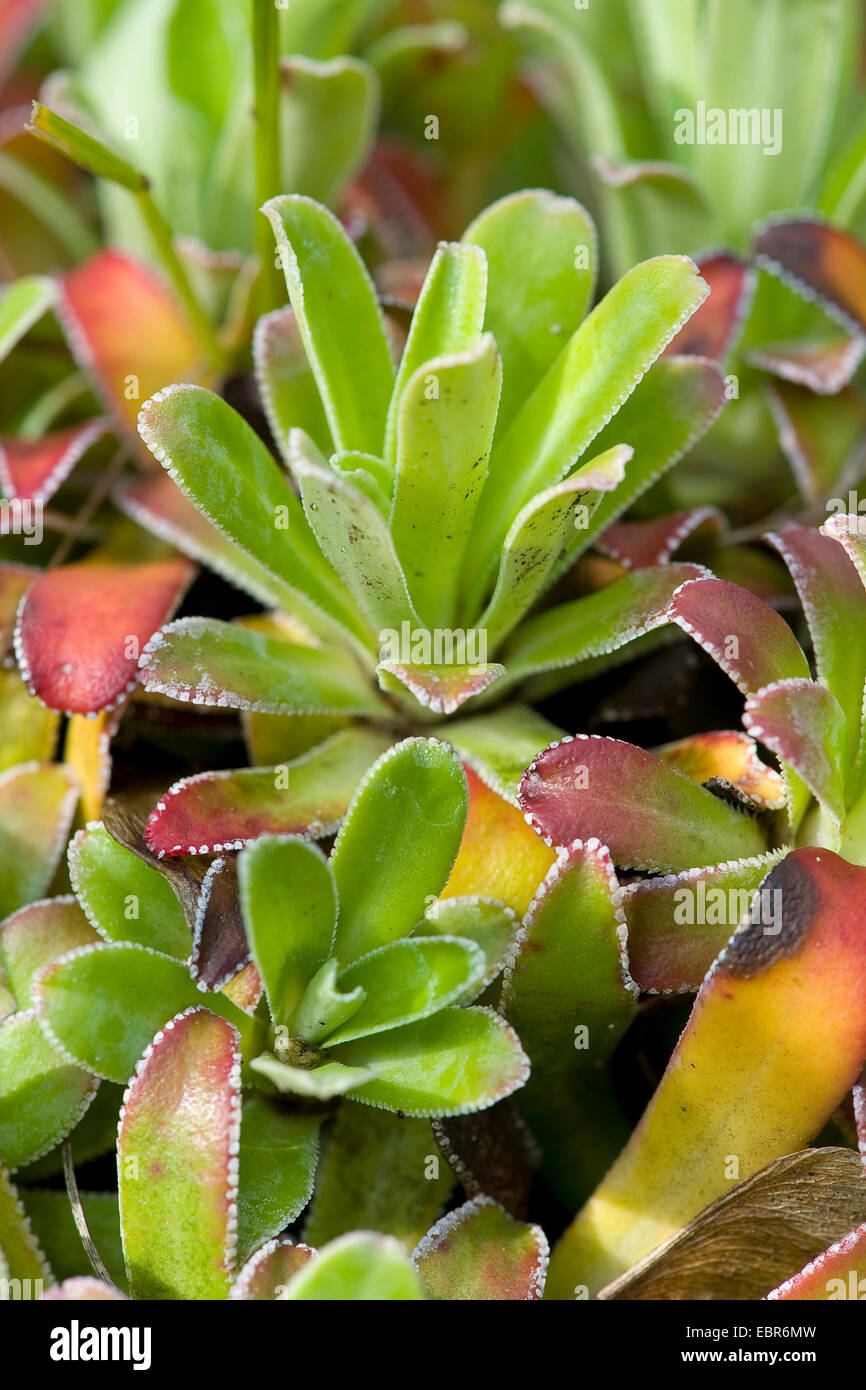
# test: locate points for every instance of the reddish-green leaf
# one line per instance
(36, 808)
(479, 1253)
(34, 469)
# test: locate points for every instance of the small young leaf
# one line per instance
(441, 689)
(406, 981)
(491, 925)
(359, 1267)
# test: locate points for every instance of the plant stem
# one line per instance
(266, 55)
(164, 245)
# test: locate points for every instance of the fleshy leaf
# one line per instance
(267, 1272)
(126, 329)
(278, 1153)
(571, 998)
(479, 1253)
(775, 1040)
(217, 811)
(490, 924)
(748, 639)
(124, 899)
(595, 373)
(361, 1267)
(441, 689)
(406, 981)
(83, 1288)
(397, 844)
(639, 544)
(726, 757)
(36, 809)
(78, 667)
(177, 1148)
(207, 662)
(238, 486)
(318, 1083)
(492, 1154)
(328, 115)
(537, 300)
(329, 288)
(714, 328)
(42, 1097)
(444, 432)
(803, 724)
(825, 263)
(285, 380)
(103, 1004)
(454, 1062)
(289, 902)
(754, 1235)
(14, 581)
(649, 815)
(839, 1272)
(678, 923)
(19, 1250)
(823, 367)
(35, 468)
(820, 437)
(35, 935)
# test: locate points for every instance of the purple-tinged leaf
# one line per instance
(822, 262)
(840, 1272)
(177, 1152)
(803, 724)
(479, 1252)
(84, 1288)
(77, 666)
(492, 1154)
(34, 469)
(219, 946)
(267, 1272)
(14, 582)
(678, 923)
(714, 328)
(648, 814)
(211, 812)
(744, 636)
(640, 544)
(441, 689)
(820, 437)
(823, 367)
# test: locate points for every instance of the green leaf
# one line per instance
(538, 294)
(89, 153)
(491, 925)
(319, 1083)
(458, 1061)
(500, 746)
(103, 1004)
(593, 376)
(176, 1148)
(445, 425)
(803, 724)
(397, 844)
(479, 1253)
(361, 1267)
(406, 981)
(540, 532)
(42, 1097)
(218, 460)
(52, 1221)
(571, 998)
(379, 1172)
(36, 807)
(285, 380)
(354, 537)
(35, 935)
(447, 320)
(289, 902)
(330, 289)
(125, 899)
(277, 1165)
(21, 305)
(328, 117)
(325, 1006)
(212, 663)
(20, 1255)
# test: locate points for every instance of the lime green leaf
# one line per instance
(458, 1061)
(537, 295)
(285, 380)
(447, 320)
(329, 290)
(42, 1097)
(36, 807)
(379, 1172)
(20, 1255)
(277, 1165)
(325, 1007)
(91, 154)
(491, 925)
(21, 305)
(103, 1004)
(406, 981)
(209, 662)
(397, 844)
(289, 902)
(361, 1267)
(328, 115)
(445, 427)
(125, 899)
(318, 1083)
(176, 1151)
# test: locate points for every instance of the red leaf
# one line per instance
(35, 468)
(639, 544)
(713, 329)
(81, 629)
(822, 262)
(747, 638)
(270, 1269)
